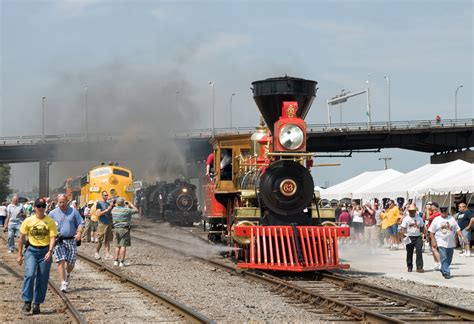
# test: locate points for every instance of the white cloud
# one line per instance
(74, 7)
(221, 43)
(158, 13)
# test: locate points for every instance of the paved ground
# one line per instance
(389, 263)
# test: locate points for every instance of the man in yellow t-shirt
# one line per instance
(390, 222)
(42, 232)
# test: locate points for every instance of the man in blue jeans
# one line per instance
(41, 231)
(443, 231)
(15, 216)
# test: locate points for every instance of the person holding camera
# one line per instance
(41, 231)
(70, 225)
(122, 219)
(104, 228)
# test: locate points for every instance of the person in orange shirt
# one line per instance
(390, 221)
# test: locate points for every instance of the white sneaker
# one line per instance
(121, 264)
(63, 286)
(116, 263)
(437, 267)
(467, 254)
(10, 251)
(97, 256)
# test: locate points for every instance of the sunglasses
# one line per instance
(40, 205)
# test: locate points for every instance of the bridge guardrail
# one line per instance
(207, 132)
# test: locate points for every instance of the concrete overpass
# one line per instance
(448, 140)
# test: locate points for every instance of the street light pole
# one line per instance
(42, 128)
(385, 159)
(86, 127)
(389, 117)
(456, 102)
(213, 107)
(230, 109)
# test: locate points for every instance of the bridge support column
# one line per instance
(44, 178)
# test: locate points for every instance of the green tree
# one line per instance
(5, 190)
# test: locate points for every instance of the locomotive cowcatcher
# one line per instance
(261, 200)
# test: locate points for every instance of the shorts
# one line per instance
(393, 229)
(467, 234)
(93, 226)
(122, 236)
(66, 250)
(358, 227)
(104, 232)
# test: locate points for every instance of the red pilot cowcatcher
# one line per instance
(290, 130)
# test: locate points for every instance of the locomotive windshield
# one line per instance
(121, 173)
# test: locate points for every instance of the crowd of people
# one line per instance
(409, 227)
(53, 229)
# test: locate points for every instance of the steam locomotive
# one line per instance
(261, 200)
(174, 202)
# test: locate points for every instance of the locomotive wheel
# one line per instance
(286, 187)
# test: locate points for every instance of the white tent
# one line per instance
(454, 181)
(367, 179)
(407, 184)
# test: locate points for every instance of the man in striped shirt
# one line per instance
(122, 218)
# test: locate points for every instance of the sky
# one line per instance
(148, 64)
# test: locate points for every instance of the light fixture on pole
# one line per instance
(86, 126)
(385, 159)
(230, 109)
(340, 108)
(389, 117)
(42, 128)
(213, 107)
(456, 102)
(369, 114)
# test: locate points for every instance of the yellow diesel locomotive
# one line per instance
(116, 180)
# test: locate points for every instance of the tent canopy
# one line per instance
(415, 183)
(351, 188)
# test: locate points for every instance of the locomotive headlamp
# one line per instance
(184, 190)
(291, 136)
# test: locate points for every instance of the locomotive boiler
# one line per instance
(263, 204)
(174, 202)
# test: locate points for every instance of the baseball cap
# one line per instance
(443, 209)
(412, 207)
(91, 202)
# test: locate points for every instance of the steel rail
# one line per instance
(65, 300)
(437, 308)
(189, 314)
(319, 300)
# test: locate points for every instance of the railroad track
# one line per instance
(182, 312)
(346, 298)
(68, 307)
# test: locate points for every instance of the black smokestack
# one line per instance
(269, 95)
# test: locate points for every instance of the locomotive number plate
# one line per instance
(288, 187)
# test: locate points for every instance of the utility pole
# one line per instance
(385, 159)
